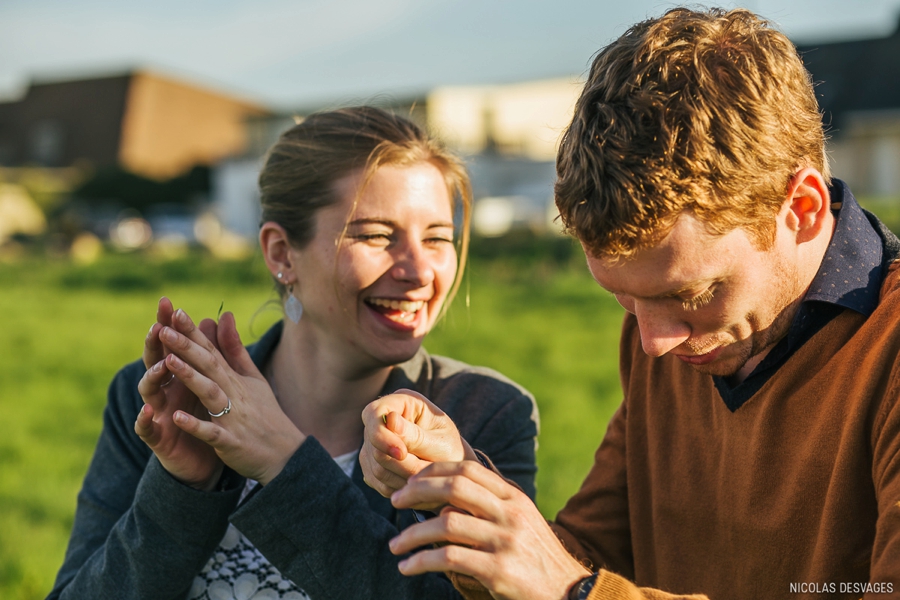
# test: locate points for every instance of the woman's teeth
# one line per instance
(406, 306)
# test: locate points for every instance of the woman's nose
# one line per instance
(413, 265)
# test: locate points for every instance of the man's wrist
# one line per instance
(468, 452)
(581, 589)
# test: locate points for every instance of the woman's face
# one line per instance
(378, 290)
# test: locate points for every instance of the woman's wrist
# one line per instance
(212, 483)
(290, 448)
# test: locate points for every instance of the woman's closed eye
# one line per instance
(439, 239)
(379, 237)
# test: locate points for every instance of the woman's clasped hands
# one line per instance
(404, 433)
(206, 403)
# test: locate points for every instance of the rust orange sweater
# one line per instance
(793, 495)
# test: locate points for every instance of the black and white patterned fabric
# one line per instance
(238, 571)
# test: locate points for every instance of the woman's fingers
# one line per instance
(205, 431)
(233, 349)
(204, 360)
(182, 323)
(387, 475)
(207, 391)
(381, 437)
(164, 311)
(193, 345)
(150, 385)
(209, 328)
(144, 426)
(380, 480)
(154, 351)
(153, 347)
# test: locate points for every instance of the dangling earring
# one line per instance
(292, 307)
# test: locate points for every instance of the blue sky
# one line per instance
(289, 53)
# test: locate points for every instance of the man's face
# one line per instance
(716, 302)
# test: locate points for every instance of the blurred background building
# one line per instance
(145, 123)
(140, 156)
(858, 86)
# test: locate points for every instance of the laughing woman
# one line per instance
(232, 472)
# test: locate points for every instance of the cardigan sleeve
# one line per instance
(320, 530)
(316, 526)
(138, 533)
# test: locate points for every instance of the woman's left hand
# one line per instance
(186, 458)
(254, 437)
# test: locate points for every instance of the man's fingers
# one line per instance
(457, 490)
(474, 471)
(459, 559)
(451, 526)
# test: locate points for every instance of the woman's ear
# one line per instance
(809, 204)
(277, 250)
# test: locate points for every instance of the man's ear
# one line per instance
(277, 250)
(808, 204)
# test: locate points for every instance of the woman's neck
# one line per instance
(321, 392)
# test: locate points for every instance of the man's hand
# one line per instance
(405, 433)
(493, 531)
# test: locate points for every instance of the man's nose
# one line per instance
(660, 330)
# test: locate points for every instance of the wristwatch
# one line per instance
(582, 588)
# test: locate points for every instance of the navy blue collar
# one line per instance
(850, 273)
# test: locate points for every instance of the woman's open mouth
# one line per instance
(401, 312)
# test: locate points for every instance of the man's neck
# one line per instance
(810, 261)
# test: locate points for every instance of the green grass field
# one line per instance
(539, 319)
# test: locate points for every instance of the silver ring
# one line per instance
(224, 411)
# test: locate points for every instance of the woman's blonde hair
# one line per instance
(710, 111)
